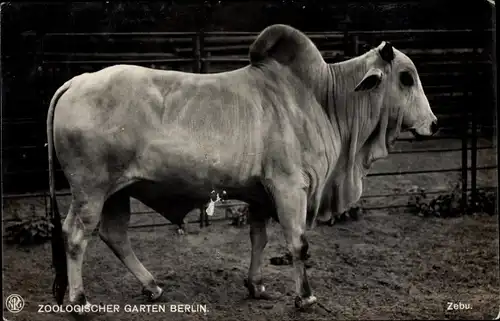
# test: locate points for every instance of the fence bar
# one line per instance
(169, 224)
(411, 139)
(446, 150)
(384, 207)
(150, 225)
(32, 195)
(138, 61)
(426, 171)
(227, 59)
(110, 34)
(413, 31)
(418, 193)
(254, 33)
(108, 54)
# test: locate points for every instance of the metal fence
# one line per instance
(454, 65)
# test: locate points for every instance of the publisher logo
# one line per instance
(14, 303)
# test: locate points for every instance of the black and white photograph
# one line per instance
(249, 160)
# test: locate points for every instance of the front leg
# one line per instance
(258, 238)
(207, 220)
(291, 206)
(202, 215)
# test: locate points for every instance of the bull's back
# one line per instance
(151, 123)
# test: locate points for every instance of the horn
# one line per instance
(387, 53)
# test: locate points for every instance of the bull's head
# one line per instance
(393, 81)
(377, 95)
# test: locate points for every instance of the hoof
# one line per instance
(85, 313)
(258, 291)
(153, 295)
(181, 231)
(303, 303)
(266, 296)
(82, 312)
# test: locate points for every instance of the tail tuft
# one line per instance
(58, 256)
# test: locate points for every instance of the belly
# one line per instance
(188, 165)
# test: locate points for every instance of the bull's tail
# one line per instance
(58, 248)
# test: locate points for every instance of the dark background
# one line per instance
(26, 93)
(189, 15)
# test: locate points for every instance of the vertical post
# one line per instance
(202, 51)
(355, 45)
(206, 62)
(42, 92)
(494, 105)
(465, 125)
(344, 26)
(474, 81)
(473, 151)
(197, 52)
(346, 44)
(45, 203)
(41, 67)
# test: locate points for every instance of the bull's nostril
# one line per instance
(434, 127)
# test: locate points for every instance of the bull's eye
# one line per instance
(406, 79)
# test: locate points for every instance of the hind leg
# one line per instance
(113, 231)
(83, 216)
(181, 228)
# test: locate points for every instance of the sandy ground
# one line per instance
(387, 265)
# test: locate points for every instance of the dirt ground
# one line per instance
(387, 265)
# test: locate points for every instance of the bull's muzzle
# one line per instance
(421, 133)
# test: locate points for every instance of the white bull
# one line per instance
(276, 134)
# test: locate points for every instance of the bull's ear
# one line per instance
(371, 80)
